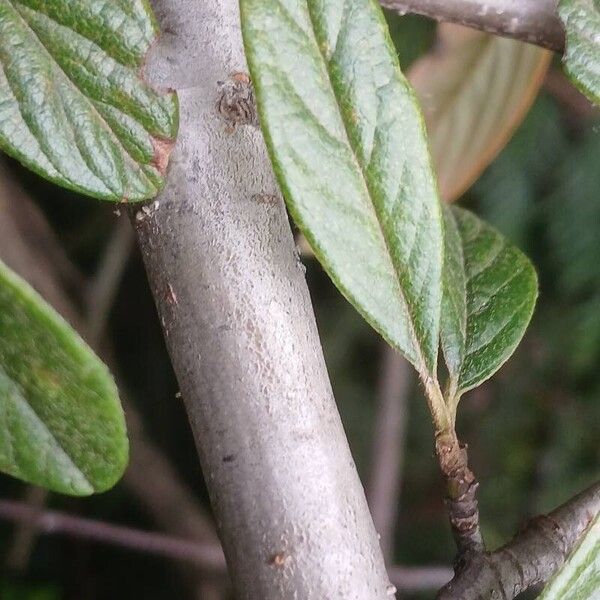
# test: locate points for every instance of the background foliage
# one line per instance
(532, 430)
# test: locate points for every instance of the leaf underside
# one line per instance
(61, 423)
(73, 106)
(348, 146)
(490, 289)
(475, 89)
(581, 19)
(579, 578)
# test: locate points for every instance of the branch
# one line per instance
(577, 105)
(30, 247)
(531, 558)
(534, 21)
(19, 552)
(383, 492)
(241, 333)
(207, 556)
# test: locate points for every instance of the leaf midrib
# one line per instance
(422, 368)
(21, 396)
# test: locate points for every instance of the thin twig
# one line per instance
(383, 491)
(207, 556)
(557, 84)
(24, 536)
(103, 287)
(534, 21)
(530, 558)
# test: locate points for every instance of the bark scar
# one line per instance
(236, 104)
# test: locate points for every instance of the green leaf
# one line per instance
(581, 19)
(73, 106)
(475, 89)
(348, 145)
(490, 289)
(61, 424)
(579, 578)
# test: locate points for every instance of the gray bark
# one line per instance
(532, 557)
(240, 329)
(534, 21)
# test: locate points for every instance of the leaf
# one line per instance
(73, 106)
(581, 19)
(490, 288)
(475, 89)
(348, 146)
(579, 577)
(61, 424)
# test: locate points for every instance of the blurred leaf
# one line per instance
(579, 578)
(583, 334)
(490, 288)
(573, 214)
(581, 19)
(73, 106)
(348, 145)
(61, 424)
(475, 90)
(508, 189)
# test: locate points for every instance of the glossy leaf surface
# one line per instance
(73, 106)
(348, 146)
(490, 289)
(581, 19)
(579, 578)
(475, 89)
(61, 423)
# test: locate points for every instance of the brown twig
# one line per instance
(207, 556)
(105, 283)
(461, 499)
(557, 84)
(531, 558)
(383, 491)
(23, 542)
